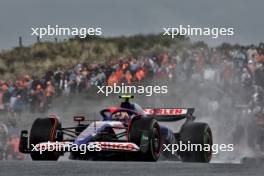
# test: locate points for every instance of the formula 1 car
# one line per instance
(128, 132)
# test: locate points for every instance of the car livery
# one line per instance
(128, 132)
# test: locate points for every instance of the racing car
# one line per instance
(128, 132)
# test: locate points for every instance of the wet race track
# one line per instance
(96, 168)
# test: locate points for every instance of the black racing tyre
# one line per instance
(145, 132)
(44, 130)
(196, 133)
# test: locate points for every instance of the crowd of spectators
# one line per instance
(243, 66)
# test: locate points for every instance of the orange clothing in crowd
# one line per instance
(129, 78)
(124, 66)
(140, 74)
(112, 79)
(119, 74)
(50, 91)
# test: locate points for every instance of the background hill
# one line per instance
(43, 56)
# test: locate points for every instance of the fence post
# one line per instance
(38, 39)
(20, 41)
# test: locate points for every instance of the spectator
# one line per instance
(2, 107)
(49, 92)
(19, 105)
(128, 77)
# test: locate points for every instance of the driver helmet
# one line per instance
(121, 116)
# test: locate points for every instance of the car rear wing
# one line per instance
(169, 114)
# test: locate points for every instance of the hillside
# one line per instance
(42, 56)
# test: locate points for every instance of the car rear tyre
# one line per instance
(44, 130)
(196, 133)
